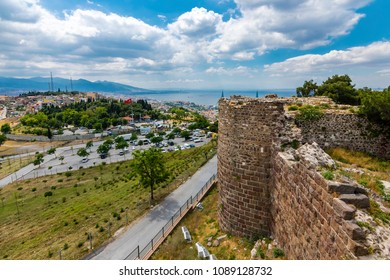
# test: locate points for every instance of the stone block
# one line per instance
(346, 188)
(359, 200)
(354, 231)
(347, 212)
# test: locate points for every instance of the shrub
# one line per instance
(66, 246)
(309, 113)
(293, 108)
(328, 175)
(68, 173)
(278, 253)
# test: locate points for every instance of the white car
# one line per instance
(84, 160)
(197, 140)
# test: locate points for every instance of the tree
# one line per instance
(150, 167)
(376, 105)
(49, 133)
(340, 89)
(38, 159)
(170, 136)
(309, 88)
(89, 145)
(185, 134)
(149, 135)
(61, 158)
(109, 142)
(82, 152)
(121, 143)
(103, 148)
(133, 137)
(6, 128)
(3, 138)
(156, 139)
(48, 195)
(51, 151)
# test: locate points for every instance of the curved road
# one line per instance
(142, 232)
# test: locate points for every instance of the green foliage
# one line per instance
(309, 88)
(309, 113)
(51, 151)
(156, 139)
(6, 128)
(185, 134)
(375, 105)
(3, 138)
(38, 159)
(328, 175)
(365, 225)
(82, 152)
(278, 253)
(103, 148)
(149, 165)
(376, 212)
(293, 108)
(340, 89)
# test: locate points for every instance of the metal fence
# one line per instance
(145, 252)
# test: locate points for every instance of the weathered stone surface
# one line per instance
(264, 191)
(344, 210)
(345, 188)
(354, 231)
(315, 156)
(216, 243)
(359, 200)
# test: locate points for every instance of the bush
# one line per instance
(278, 253)
(293, 108)
(328, 175)
(68, 173)
(309, 113)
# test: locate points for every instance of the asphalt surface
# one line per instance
(141, 232)
(52, 165)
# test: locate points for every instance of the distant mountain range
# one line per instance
(14, 86)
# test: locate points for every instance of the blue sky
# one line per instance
(208, 44)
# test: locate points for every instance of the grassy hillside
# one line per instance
(97, 201)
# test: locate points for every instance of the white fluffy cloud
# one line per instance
(35, 41)
(198, 23)
(302, 24)
(376, 54)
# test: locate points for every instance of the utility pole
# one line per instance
(51, 80)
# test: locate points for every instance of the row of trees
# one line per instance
(98, 115)
(373, 104)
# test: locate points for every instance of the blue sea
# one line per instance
(209, 97)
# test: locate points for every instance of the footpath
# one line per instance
(144, 230)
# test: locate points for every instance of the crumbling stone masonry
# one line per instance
(265, 191)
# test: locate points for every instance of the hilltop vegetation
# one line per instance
(375, 105)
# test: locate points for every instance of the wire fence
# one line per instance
(145, 252)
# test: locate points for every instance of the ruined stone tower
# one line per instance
(247, 128)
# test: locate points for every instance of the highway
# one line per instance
(52, 165)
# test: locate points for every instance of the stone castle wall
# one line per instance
(262, 192)
(346, 130)
(246, 130)
(307, 220)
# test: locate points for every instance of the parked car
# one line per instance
(197, 140)
(84, 160)
(104, 155)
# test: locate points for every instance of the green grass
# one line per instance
(10, 165)
(37, 227)
(203, 224)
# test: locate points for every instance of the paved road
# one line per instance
(52, 165)
(142, 232)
